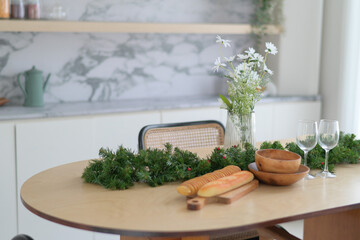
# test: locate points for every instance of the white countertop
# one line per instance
(50, 110)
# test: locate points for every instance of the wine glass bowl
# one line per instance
(306, 142)
(306, 138)
(328, 139)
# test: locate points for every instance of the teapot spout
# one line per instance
(46, 81)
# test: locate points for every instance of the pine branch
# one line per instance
(122, 168)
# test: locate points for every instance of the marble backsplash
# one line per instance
(114, 66)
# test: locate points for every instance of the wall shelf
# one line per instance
(122, 27)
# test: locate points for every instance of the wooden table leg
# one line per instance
(165, 238)
(342, 225)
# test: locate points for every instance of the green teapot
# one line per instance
(34, 87)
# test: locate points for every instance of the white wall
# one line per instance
(339, 77)
(319, 53)
(299, 51)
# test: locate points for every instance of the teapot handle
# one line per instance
(46, 81)
(19, 82)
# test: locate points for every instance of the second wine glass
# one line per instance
(306, 138)
(328, 139)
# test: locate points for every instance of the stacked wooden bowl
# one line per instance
(278, 167)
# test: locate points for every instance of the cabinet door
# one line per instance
(42, 144)
(113, 130)
(7, 181)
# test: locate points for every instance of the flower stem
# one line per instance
(263, 66)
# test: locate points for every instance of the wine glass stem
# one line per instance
(305, 157)
(326, 161)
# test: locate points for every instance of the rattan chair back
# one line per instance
(186, 135)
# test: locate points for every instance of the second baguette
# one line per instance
(191, 186)
(225, 184)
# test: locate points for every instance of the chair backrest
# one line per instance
(185, 135)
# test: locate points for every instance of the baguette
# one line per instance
(192, 186)
(225, 184)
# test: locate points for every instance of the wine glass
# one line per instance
(306, 138)
(328, 139)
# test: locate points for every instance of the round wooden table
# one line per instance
(60, 195)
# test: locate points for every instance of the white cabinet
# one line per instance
(42, 144)
(8, 228)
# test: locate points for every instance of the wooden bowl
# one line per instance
(279, 179)
(277, 161)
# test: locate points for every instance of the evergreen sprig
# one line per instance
(221, 157)
(120, 169)
(347, 151)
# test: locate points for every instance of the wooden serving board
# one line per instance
(227, 198)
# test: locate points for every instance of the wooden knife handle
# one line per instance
(196, 203)
(199, 202)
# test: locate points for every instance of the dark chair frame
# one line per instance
(168, 125)
(22, 237)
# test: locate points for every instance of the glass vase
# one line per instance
(240, 129)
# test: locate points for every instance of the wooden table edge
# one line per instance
(188, 233)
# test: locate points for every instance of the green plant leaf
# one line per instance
(226, 101)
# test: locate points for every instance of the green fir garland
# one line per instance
(122, 168)
(347, 151)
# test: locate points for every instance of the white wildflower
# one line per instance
(254, 76)
(241, 68)
(229, 59)
(218, 64)
(266, 69)
(245, 80)
(234, 75)
(270, 48)
(251, 51)
(224, 42)
(218, 39)
(244, 65)
(258, 57)
(243, 56)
